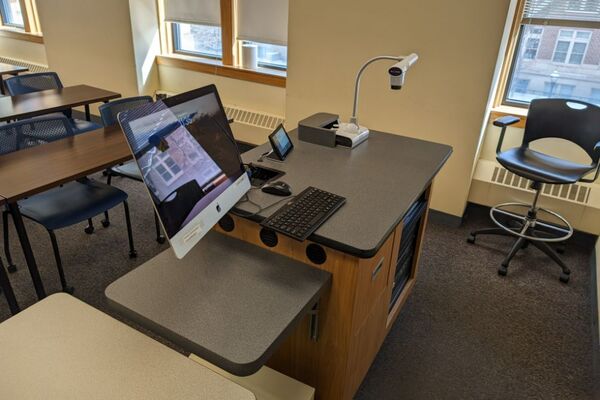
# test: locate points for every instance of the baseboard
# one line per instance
(443, 218)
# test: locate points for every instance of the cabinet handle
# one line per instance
(377, 269)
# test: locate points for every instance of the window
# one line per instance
(206, 28)
(12, 16)
(264, 23)
(521, 85)
(571, 46)
(271, 55)
(167, 168)
(555, 52)
(203, 40)
(595, 96)
(553, 89)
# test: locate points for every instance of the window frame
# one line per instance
(231, 51)
(509, 61)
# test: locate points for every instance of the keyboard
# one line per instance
(305, 213)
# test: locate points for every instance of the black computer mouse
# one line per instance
(278, 188)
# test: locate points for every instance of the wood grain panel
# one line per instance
(25, 172)
(353, 316)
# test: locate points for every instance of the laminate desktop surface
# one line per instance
(48, 101)
(380, 179)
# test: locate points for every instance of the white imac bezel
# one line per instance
(195, 230)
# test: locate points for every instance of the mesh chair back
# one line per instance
(27, 83)
(33, 132)
(572, 120)
(109, 111)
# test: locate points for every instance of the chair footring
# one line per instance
(547, 232)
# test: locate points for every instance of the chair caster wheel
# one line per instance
(89, 230)
(161, 239)
(133, 254)
(105, 223)
(12, 268)
(564, 278)
(69, 290)
(471, 239)
(502, 271)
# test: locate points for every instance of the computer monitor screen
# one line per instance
(189, 162)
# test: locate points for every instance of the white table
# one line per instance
(61, 348)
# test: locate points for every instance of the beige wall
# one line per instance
(446, 93)
(89, 41)
(247, 95)
(146, 44)
(23, 50)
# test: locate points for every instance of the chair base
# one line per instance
(519, 244)
(528, 230)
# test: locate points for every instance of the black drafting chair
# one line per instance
(572, 120)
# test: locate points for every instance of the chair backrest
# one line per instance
(572, 120)
(109, 111)
(27, 83)
(33, 132)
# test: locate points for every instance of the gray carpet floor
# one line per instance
(465, 333)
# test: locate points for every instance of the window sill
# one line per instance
(501, 111)
(264, 76)
(21, 35)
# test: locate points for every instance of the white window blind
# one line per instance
(562, 12)
(202, 12)
(264, 21)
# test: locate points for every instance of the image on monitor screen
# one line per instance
(181, 158)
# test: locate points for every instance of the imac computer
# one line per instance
(189, 162)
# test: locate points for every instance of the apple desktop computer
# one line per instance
(189, 162)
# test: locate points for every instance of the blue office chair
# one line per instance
(28, 83)
(129, 170)
(62, 206)
(572, 120)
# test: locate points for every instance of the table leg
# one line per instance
(27, 251)
(87, 112)
(1, 85)
(8, 291)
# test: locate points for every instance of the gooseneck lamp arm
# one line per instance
(353, 118)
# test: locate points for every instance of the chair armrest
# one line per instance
(506, 120)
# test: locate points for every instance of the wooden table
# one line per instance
(48, 101)
(9, 69)
(34, 170)
(61, 348)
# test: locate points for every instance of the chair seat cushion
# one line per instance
(81, 125)
(71, 203)
(541, 167)
(129, 170)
